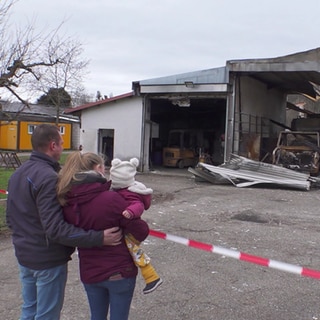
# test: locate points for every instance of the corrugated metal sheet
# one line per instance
(243, 172)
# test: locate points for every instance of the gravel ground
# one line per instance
(281, 225)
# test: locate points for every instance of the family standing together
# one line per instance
(51, 212)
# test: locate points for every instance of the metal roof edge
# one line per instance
(304, 61)
(214, 75)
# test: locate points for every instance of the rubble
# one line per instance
(243, 172)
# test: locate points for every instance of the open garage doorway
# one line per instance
(202, 121)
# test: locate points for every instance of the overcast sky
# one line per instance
(128, 40)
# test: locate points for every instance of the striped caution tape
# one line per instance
(239, 255)
(3, 191)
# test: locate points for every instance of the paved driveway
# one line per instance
(282, 225)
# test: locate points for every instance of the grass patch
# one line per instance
(3, 225)
(5, 174)
(63, 158)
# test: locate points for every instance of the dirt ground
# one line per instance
(281, 225)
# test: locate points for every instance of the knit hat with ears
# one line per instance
(122, 173)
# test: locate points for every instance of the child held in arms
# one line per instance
(122, 176)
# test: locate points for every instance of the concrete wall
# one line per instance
(259, 100)
(124, 116)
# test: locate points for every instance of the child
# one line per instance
(122, 176)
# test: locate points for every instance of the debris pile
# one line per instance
(243, 172)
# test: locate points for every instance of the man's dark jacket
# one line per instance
(41, 237)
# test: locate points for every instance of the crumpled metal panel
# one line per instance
(243, 172)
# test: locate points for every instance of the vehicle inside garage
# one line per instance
(190, 126)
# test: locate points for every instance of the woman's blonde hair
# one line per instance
(75, 162)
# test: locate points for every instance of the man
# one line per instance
(43, 241)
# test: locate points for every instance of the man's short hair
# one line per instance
(43, 135)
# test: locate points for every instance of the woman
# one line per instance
(108, 273)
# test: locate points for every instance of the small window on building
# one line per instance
(31, 128)
(62, 129)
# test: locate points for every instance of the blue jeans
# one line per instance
(42, 292)
(114, 293)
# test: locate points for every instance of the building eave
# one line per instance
(99, 103)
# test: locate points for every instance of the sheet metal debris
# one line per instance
(243, 172)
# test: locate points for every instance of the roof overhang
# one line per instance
(99, 103)
(295, 73)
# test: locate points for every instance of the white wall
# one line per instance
(124, 116)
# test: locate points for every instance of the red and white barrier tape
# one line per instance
(3, 191)
(239, 255)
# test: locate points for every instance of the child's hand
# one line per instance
(127, 214)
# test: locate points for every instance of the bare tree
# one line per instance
(65, 76)
(81, 97)
(37, 61)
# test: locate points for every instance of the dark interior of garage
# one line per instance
(206, 116)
